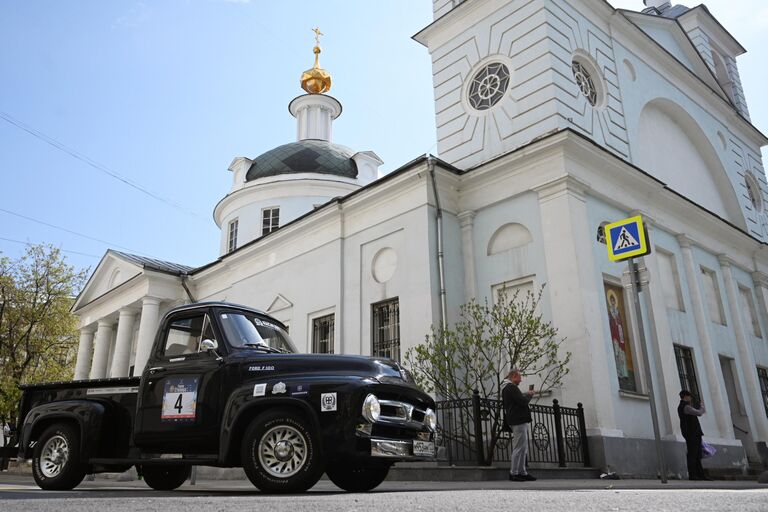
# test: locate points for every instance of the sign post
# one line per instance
(627, 239)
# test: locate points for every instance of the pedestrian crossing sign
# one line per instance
(626, 239)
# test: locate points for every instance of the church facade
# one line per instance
(553, 118)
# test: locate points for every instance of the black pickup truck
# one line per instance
(224, 387)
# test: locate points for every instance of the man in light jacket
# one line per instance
(518, 417)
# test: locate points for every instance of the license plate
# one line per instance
(423, 449)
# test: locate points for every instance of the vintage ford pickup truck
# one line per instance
(224, 387)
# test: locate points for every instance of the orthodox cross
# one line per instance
(317, 32)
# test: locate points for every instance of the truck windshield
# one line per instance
(244, 330)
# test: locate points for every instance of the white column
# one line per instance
(712, 374)
(150, 312)
(101, 351)
(758, 423)
(574, 289)
(122, 355)
(84, 353)
(466, 221)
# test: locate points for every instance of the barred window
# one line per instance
(686, 370)
(232, 240)
(386, 329)
(270, 220)
(322, 334)
(762, 376)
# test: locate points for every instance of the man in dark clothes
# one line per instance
(518, 416)
(691, 430)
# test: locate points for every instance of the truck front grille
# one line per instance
(402, 414)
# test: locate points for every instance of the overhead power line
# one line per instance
(62, 250)
(72, 232)
(92, 163)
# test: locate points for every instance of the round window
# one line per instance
(585, 82)
(488, 86)
(753, 191)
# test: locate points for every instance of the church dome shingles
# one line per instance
(312, 156)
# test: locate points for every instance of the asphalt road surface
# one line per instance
(18, 493)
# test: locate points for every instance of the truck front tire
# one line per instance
(56, 464)
(280, 453)
(356, 478)
(165, 478)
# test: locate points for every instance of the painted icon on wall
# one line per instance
(620, 337)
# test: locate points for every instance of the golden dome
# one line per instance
(316, 80)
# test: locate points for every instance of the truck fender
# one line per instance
(88, 416)
(235, 424)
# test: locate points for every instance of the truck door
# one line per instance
(179, 407)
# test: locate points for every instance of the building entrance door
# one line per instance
(738, 411)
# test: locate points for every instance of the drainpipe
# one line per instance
(184, 277)
(340, 313)
(440, 254)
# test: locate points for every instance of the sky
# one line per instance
(118, 119)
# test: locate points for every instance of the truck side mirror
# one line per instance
(210, 347)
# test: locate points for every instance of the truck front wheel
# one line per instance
(56, 461)
(165, 478)
(356, 478)
(280, 453)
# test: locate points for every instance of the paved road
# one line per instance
(19, 494)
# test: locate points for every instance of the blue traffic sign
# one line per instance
(626, 239)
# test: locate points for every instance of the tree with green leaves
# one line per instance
(478, 352)
(38, 333)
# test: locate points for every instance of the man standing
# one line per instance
(691, 430)
(518, 416)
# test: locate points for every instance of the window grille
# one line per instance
(686, 370)
(762, 376)
(322, 334)
(386, 329)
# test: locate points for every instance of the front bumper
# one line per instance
(396, 449)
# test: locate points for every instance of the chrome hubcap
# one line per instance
(282, 451)
(54, 456)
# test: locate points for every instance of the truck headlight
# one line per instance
(430, 420)
(371, 408)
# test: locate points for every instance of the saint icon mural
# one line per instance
(622, 351)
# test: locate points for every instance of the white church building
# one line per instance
(553, 118)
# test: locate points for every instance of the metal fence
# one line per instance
(472, 433)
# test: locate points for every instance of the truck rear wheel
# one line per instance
(280, 453)
(165, 478)
(56, 461)
(356, 478)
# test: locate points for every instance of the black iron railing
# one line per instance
(471, 432)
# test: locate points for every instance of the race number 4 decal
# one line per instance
(179, 399)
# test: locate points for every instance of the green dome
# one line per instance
(315, 156)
